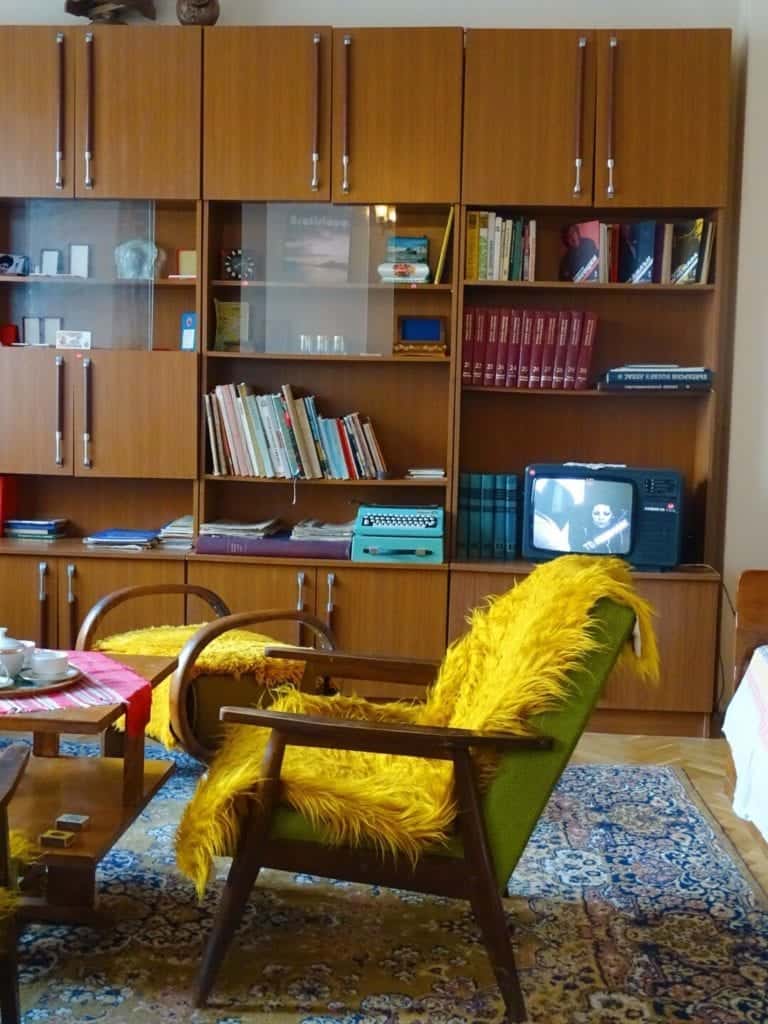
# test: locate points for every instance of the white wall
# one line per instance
(544, 13)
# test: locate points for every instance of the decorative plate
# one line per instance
(237, 266)
(31, 684)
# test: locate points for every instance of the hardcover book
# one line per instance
(636, 249)
(686, 246)
(580, 252)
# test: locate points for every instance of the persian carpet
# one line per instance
(626, 906)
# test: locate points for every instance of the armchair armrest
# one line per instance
(379, 737)
(371, 667)
(13, 761)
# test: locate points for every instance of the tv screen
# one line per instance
(582, 515)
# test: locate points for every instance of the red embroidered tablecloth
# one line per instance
(104, 681)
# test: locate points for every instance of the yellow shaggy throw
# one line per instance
(238, 652)
(514, 663)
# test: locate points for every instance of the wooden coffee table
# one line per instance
(111, 790)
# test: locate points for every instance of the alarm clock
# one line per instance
(237, 266)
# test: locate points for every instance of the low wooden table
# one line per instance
(111, 790)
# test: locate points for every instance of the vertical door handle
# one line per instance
(42, 604)
(87, 462)
(329, 606)
(60, 115)
(71, 604)
(613, 44)
(315, 182)
(300, 578)
(59, 433)
(578, 121)
(89, 101)
(345, 116)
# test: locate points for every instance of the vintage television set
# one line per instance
(628, 511)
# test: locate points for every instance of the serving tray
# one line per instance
(28, 683)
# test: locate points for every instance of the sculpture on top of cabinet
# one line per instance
(198, 12)
(110, 12)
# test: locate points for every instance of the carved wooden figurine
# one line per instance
(198, 12)
(110, 12)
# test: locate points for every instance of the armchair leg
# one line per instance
(10, 1010)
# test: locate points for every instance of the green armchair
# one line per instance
(491, 829)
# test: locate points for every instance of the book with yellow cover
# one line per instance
(473, 240)
(444, 248)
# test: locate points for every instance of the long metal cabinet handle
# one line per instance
(89, 110)
(345, 116)
(87, 462)
(578, 121)
(42, 603)
(610, 162)
(300, 577)
(60, 115)
(72, 603)
(331, 580)
(59, 410)
(315, 182)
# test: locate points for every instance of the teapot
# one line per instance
(12, 653)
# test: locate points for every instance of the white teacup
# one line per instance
(48, 663)
(12, 660)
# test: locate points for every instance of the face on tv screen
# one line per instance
(590, 516)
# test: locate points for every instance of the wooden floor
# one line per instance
(705, 762)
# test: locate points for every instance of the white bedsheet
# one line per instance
(746, 729)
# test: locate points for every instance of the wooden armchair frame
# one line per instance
(469, 877)
(13, 761)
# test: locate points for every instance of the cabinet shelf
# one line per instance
(586, 393)
(342, 285)
(371, 360)
(596, 286)
(397, 482)
(66, 279)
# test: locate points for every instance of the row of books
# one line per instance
(487, 521)
(533, 349)
(642, 252)
(281, 436)
(656, 377)
(500, 248)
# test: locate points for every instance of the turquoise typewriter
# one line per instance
(393, 533)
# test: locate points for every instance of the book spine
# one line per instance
(478, 349)
(225, 456)
(502, 350)
(491, 348)
(274, 442)
(211, 442)
(317, 437)
(531, 275)
(513, 348)
(537, 350)
(490, 272)
(283, 422)
(467, 346)
(656, 377)
(586, 351)
(462, 520)
(614, 386)
(510, 517)
(572, 355)
(499, 517)
(249, 430)
(526, 340)
(250, 453)
(346, 447)
(313, 451)
(487, 485)
(473, 240)
(562, 333)
(228, 420)
(252, 406)
(474, 544)
(301, 451)
(548, 355)
(373, 445)
(482, 246)
(444, 248)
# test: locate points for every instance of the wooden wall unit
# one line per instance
(425, 126)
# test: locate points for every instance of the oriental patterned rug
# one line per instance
(627, 907)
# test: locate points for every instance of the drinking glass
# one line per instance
(322, 344)
(339, 347)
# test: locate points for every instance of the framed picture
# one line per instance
(188, 332)
(13, 263)
(30, 330)
(421, 336)
(186, 263)
(79, 259)
(73, 339)
(51, 327)
(49, 262)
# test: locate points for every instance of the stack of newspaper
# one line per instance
(177, 535)
(316, 529)
(230, 528)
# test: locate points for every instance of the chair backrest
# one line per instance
(523, 782)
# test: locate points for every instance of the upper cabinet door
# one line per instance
(138, 112)
(397, 115)
(529, 107)
(267, 113)
(663, 100)
(36, 123)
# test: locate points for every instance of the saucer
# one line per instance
(27, 675)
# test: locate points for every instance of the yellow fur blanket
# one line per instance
(238, 652)
(514, 662)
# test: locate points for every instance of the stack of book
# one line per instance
(126, 540)
(523, 348)
(282, 436)
(641, 252)
(487, 520)
(425, 473)
(656, 377)
(407, 260)
(35, 529)
(500, 248)
(269, 540)
(177, 535)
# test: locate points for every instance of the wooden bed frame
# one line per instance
(751, 619)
